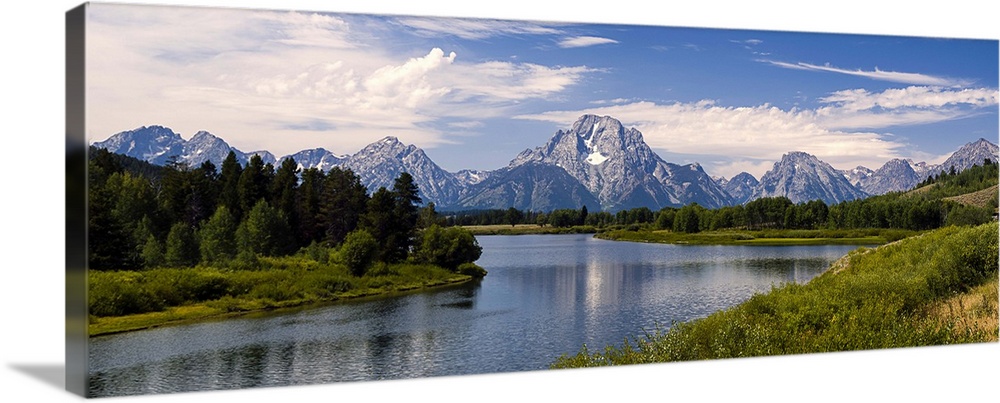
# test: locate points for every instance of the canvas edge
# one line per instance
(76, 203)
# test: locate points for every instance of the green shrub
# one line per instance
(358, 251)
(448, 247)
(471, 269)
(121, 293)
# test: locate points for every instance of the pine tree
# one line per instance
(204, 192)
(175, 191)
(218, 237)
(307, 207)
(407, 205)
(379, 220)
(182, 247)
(254, 183)
(283, 189)
(343, 202)
(229, 179)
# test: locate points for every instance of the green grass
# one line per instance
(766, 237)
(891, 296)
(130, 300)
(982, 198)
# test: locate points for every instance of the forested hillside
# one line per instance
(143, 216)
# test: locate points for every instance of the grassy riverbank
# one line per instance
(130, 300)
(933, 289)
(765, 237)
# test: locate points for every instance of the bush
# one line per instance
(448, 248)
(121, 293)
(471, 269)
(358, 252)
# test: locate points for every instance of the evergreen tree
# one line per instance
(254, 183)
(108, 243)
(283, 189)
(229, 179)
(175, 191)
(218, 237)
(264, 232)
(204, 192)
(379, 220)
(182, 247)
(344, 201)
(407, 196)
(308, 197)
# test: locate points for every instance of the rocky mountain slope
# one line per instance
(802, 177)
(618, 167)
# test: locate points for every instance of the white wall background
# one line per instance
(31, 224)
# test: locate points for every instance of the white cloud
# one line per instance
(473, 28)
(286, 81)
(466, 124)
(859, 108)
(613, 101)
(893, 76)
(748, 43)
(505, 81)
(761, 134)
(584, 41)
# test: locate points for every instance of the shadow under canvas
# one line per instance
(51, 374)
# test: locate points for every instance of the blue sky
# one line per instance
(473, 93)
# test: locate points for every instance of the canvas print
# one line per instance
(280, 198)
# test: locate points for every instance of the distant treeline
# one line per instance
(143, 216)
(915, 210)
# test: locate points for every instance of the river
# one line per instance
(545, 295)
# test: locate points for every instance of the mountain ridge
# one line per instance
(613, 164)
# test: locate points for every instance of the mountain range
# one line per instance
(596, 162)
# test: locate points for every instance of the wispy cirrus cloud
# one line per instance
(474, 28)
(860, 108)
(584, 41)
(876, 74)
(844, 131)
(747, 42)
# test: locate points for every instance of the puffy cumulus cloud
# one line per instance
(761, 134)
(584, 41)
(473, 28)
(406, 85)
(893, 76)
(402, 98)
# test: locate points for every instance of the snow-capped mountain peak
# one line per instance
(802, 177)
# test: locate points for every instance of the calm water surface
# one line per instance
(545, 295)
